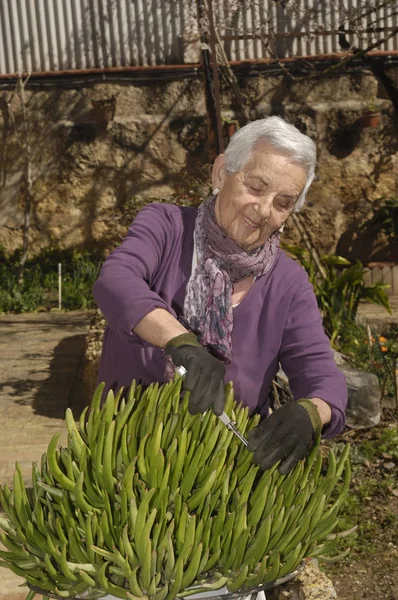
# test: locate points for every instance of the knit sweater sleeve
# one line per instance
(123, 289)
(307, 359)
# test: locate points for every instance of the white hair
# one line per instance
(282, 136)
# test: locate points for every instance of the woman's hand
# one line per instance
(205, 374)
(286, 435)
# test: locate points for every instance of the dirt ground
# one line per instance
(371, 569)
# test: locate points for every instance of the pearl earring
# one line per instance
(215, 191)
(281, 228)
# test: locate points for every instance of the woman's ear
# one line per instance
(218, 173)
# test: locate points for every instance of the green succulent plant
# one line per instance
(150, 502)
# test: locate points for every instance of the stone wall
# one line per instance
(101, 150)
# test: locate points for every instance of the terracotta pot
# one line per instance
(370, 119)
(103, 111)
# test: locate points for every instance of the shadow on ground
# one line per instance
(50, 390)
(42, 363)
(64, 386)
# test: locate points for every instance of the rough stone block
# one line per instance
(363, 408)
(310, 584)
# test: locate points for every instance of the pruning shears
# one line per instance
(231, 425)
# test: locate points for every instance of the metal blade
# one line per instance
(223, 417)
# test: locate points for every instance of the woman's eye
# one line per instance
(283, 206)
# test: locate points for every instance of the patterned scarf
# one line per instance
(208, 308)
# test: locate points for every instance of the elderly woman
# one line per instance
(211, 290)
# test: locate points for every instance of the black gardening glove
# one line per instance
(205, 374)
(286, 435)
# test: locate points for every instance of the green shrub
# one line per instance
(385, 219)
(339, 293)
(39, 289)
(375, 353)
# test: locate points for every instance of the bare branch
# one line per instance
(232, 78)
(351, 48)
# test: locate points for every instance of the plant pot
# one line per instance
(54, 596)
(224, 594)
(103, 111)
(221, 594)
(370, 119)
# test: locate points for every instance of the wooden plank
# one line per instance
(367, 277)
(387, 278)
(395, 280)
(377, 275)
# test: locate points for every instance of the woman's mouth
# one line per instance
(251, 223)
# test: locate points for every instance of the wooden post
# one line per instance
(59, 286)
(216, 81)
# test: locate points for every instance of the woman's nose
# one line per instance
(264, 207)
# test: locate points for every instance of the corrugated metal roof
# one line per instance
(257, 29)
(62, 35)
(67, 35)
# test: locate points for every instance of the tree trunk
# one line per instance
(27, 181)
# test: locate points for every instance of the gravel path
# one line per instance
(41, 374)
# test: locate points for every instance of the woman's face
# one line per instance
(256, 201)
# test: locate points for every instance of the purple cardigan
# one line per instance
(277, 321)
